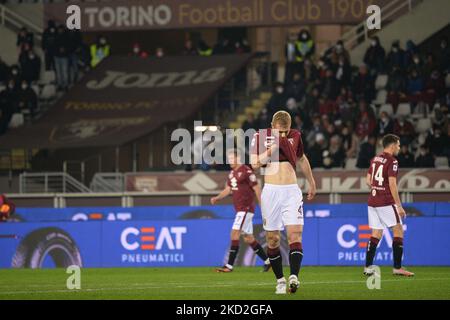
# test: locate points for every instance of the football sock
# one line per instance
(295, 257)
(234, 249)
(259, 250)
(397, 247)
(371, 249)
(276, 261)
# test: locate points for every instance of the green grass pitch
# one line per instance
(246, 283)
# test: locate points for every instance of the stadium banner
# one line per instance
(125, 98)
(326, 181)
(164, 213)
(181, 14)
(204, 242)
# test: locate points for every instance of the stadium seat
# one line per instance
(447, 81)
(423, 125)
(441, 163)
(48, 92)
(404, 109)
(381, 81)
(381, 97)
(17, 120)
(387, 108)
(350, 164)
(48, 77)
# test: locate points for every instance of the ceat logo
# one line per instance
(350, 236)
(147, 238)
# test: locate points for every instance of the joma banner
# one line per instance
(175, 14)
(327, 181)
(124, 98)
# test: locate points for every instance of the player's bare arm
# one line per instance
(307, 171)
(223, 194)
(368, 181)
(257, 190)
(257, 161)
(394, 192)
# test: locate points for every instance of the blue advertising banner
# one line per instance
(205, 242)
(425, 209)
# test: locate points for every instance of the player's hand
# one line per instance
(311, 192)
(214, 200)
(401, 211)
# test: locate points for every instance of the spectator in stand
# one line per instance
(304, 46)
(15, 74)
(242, 46)
(4, 71)
(364, 85)
(365, 125)
(425, 158)
(404, 129)
(405, 158)
(385, 125)
(263, 119)
(350, 141)
(24, 38)
(330, 86)
(250, 122)
(440, 118)
(189, 49)
(8, 105)
(159, 53)
(224, 46)
(396, 87)
(396, 57)
(62, 59)
(337, 51)
(75, 45)
(437, 139)
(316, 151)
(296, 88)
(415, 86)
(278, 100)
(336, 153)
(49, 45)
(299, 124)
(316, 128)
(375, 56)
(410, 53)
(327, 106)
(443, 56)
(429, 65)
(343, 72)
(99, 51)
(26, 99)
(203, 49)
(366, 153)
(310, 103)
(30, 65)
(137, 51)
(435, 87)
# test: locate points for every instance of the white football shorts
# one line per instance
(383, 217)
(244, 222)
(281, 205)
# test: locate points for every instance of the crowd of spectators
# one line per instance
(332, 102)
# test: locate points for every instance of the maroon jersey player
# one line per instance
(385, 208)
(243, 187)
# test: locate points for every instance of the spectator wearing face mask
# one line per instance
(8, 105)
(425, 159)
(26, 99)
(316, 151)
(137, 51)
(385, 125)
(99, 51)
(405, 158)
(343, 72)
(410, 52)
(375, 56)
(304, 46)
(278, 100)
(396, 57)
(49, 44)
(30, 65)
(15, 74)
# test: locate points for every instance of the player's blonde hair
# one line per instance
(282, 118)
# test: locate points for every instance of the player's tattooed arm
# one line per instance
(307, 171)
(223, 194)
(257, 190)
(394, 192)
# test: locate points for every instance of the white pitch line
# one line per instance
(200, 286)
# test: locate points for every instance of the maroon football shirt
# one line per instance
(381, 168)
(241, 181)
(291, 147)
